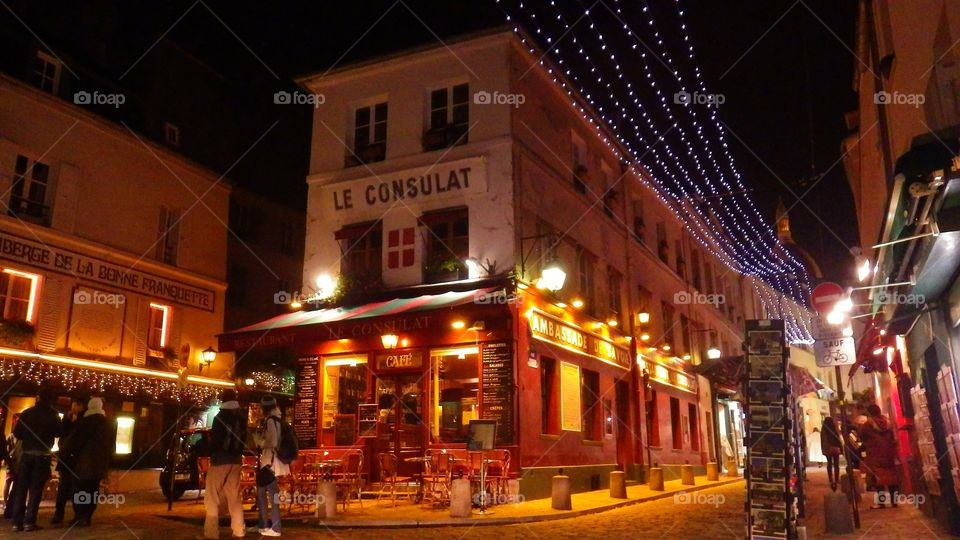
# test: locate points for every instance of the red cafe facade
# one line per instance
(404, 375)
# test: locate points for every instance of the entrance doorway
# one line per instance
(624, 432)
(400, 426)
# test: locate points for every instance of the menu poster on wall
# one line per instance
(305, 402)
(771, 503)
(497, 391)
(570, 413)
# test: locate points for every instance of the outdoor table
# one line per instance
(324, 472)
(423, 460)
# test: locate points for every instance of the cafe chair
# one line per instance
(498, 472)
(248, 479)
(388, 477)
(349, 479)
(436, 478)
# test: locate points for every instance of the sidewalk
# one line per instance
(905, 521)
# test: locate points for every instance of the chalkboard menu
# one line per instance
(305, 402)
(497, 388)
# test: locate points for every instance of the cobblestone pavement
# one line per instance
(713, 513)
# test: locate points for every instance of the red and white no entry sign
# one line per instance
(825, 295)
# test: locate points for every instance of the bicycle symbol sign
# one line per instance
(835, 352)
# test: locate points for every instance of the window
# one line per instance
(401, 248)
(344, 387)
(124, 441)
(287, 242)
(244, 222)
(613, 291)
(609, 192)
(708, 277)
(46, 72)
(653, 419)
(237, 288)
(639, 226)
(449, 117)
(28, 195)
(675, 424)
(685, 334)
(362, 249)
(455, 376)
(369, 134)
(585, 280)
(668, 335)
(578, 163)
(157, 332)
(549, 394)
(695, 269)
(171, 134)
(447, 244)
(680, 260)
(693, 427)
(168, 236)
(18, 294)
(590, 401)
(663, 247)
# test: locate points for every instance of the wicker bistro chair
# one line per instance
(388, 477)
(349, 477)
(248, 479)
(436, 478)
(498, 473)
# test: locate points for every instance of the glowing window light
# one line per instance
(124, 435)
(34, 282)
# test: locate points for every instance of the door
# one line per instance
(400, 429)
(624, 433)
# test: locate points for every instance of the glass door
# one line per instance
(400, 419)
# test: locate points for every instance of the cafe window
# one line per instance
(361, 246)
(591, 405)
(675, 424)
(653, 419)
(447, 241)
(344, 387)
(549, 394)
(159, 329)
(18, 293)
(455, 384)
(693, 428)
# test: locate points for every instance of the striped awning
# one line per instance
(282, 325)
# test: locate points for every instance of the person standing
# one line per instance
(38, 427)
(832, 446)
(13, 451)
(268, 440)
(227, 442)
(66, 462)
(91, 444)
(880, 443)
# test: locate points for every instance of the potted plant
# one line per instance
(441, 268)
(15, 333)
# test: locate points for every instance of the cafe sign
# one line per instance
(428, 183)
(550, 329)
(399, 359)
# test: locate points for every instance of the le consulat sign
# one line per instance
(430, 182)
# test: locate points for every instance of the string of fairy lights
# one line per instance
(643, 88)
(73, 378)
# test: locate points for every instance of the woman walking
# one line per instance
(832, 446)
(270, 468)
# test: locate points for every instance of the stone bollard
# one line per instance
(560, 492)
(513, 490)
(838, 517)
(655, 482)
(461, 500)
(713, 472)
(327, 500)
(686, 475)
(731, 467)
(858, 486)
(618, 484)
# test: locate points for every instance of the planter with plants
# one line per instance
(14, 333)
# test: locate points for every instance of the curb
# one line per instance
(467, 522)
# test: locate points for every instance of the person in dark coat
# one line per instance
(880, 443)
(831, 445)
(66, 461)
(92, 445)
(13, 457)
(38, 427)
(227, 443)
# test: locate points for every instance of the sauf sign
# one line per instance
(455, 178)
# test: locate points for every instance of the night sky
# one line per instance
(786, 88)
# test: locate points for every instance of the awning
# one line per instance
(284, 329)
(727, 372)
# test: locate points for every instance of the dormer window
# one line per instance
(46, 72)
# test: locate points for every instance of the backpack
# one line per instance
(287, 450)
(235, 433)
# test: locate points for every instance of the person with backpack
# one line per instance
(274, 440)
(37, 429)
(227, 442)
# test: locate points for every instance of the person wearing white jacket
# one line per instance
(268, 440)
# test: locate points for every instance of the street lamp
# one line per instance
(714, 353)
(552, 276)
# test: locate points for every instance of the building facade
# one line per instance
(901, 159)
(447, 187)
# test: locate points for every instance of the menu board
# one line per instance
(771, 457)
(570, 412)
(305, 402)
(368, 419)
(497, 390)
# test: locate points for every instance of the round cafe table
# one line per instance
(324, 470)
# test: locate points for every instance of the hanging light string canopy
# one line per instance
(623, 78)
